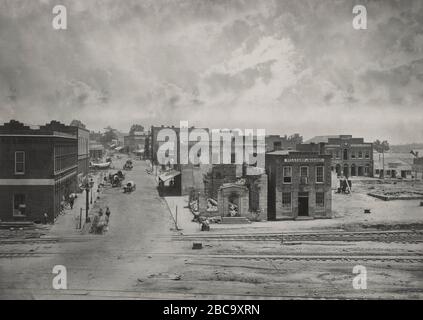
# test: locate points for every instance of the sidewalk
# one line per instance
(185, 216)
(68, 223)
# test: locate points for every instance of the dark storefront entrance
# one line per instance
(303, 204)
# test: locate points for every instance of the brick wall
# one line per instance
(38, 199)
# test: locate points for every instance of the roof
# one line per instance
(319, 139)
(96, 148)
(169, 175)
(280, 152)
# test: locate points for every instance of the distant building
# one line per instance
(186, 177)
(96, 151)
(418, 167)
(277, 142)
(350, 156)
(136, 142)
(396, 165)
(39, 168)
(299, 185)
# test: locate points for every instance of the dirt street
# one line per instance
(140, 257)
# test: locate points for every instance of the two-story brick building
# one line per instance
(39, 167)
(299, 185)
(350, 156)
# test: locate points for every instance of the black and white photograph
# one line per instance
(211, 150)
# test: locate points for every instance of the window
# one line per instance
(304, 171)
(286, 200)
(287, 174)
(366, 170)
(19, 204)
(232, 158)
(345, 154)
(352, 155)
(303, 175)
(377, 171)
(19, 162)
(319, 174)
(320, 199)
(367, 154)
(360, 154)
(337, 154)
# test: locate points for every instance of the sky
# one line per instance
(285, 66)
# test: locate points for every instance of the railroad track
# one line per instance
(379, 236)
(20, 254)
(344, 257)
(169, 294)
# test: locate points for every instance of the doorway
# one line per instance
(303, 204)
(353, 170)
(346, 171)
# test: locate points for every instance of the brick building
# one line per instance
(350, 156)
(187, 177)
(299, 185)
(136, 142)
(39, 166)
(83, 136)
(277, 142)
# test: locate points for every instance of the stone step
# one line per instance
(235, 220)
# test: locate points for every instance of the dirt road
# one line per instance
(113, 261)
(141, 258)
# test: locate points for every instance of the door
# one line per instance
(303, 204)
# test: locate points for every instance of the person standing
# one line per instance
(71, 201)
(108, 212)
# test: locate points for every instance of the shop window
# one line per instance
(19, 162)
(287, 174)
(286, 200)
(320, 199)
(319, 174)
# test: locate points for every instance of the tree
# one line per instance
(108, 136)
(381, 146)
(135, 128)
(77, 123)
(295, 138)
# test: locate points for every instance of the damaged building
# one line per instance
(232, 197)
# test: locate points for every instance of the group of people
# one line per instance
(100, 223)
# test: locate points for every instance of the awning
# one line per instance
(169, 175)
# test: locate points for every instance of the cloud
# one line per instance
(288, 66)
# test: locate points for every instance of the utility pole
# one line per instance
(383, 163)
(87, 202)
